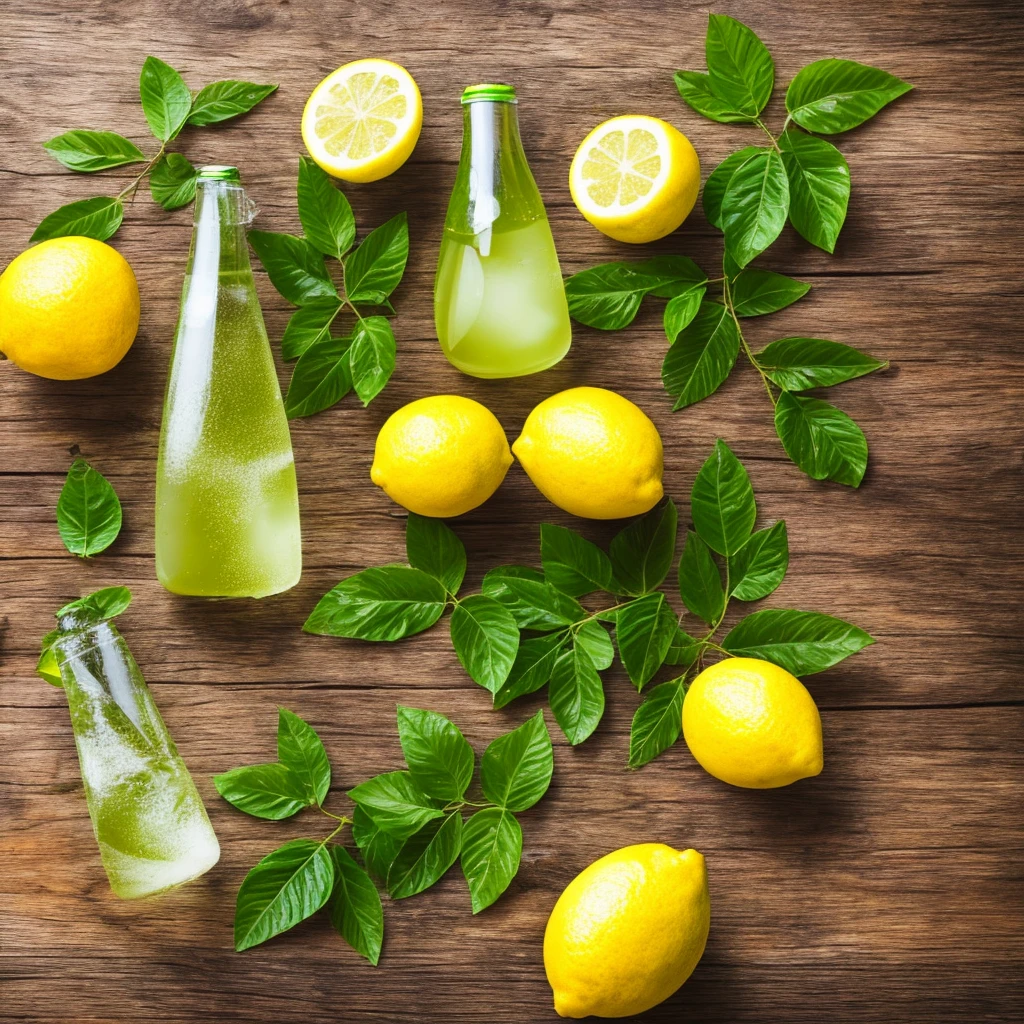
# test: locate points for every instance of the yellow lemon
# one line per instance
(362, 121)
(69, 308)
(627, 931)
(593, 453)
(752, 724)
(441, 456)
(635, 178)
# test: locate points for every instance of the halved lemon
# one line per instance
(635, 178)
(362, 121)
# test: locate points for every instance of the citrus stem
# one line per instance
(765, 379)
(132, 186)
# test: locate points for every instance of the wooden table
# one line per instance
(887, 889)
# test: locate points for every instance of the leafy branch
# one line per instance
(168, 106)
(797, 177)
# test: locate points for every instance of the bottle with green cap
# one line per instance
(499, 302)
(227, 509)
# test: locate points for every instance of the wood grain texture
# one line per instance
(887, 889)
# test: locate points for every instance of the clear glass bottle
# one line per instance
(499, 301)
(227, 509)
(150, 822)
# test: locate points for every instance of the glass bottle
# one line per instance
(150, 822)
(227, 509)
(499, 301)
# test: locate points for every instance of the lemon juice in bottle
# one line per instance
(227, 512)
(499, 301)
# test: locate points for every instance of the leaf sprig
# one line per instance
(168, 106)
(408, 825)
(88, 511)
(329, 366)
(749, 196)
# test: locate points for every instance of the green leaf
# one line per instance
(220, 101)
(172, 182)
(372, 357)
(594, 639)
(819, 187)
(166, 100)
(85, 150)
(300, 749)
(683, 650)
(96, 607)
(821, 439)
(695, 89)
(395, 803)
(485, 637)
(700, 583)
(308, 325)
(379, 848)
(426, 856)
(643, 552)
(644, 630)
(722, 502)
(757, 292)
(831, 96)
(657, 722)
(294, 267)
(740, 68)
(95, 218)
(439, 757)
(492, 843)
(534, 664)
(516, 768)
(47, 666)
(608, 296)
(385, 603)
(321, 378)
(718, 182)
(680, 311)
(356, 912)
(88, 511)
(325, 213)
(572, 563)
(373, 271)
(436, 550)
(701, 358)
(755, 205)
(798, 364)
(534, 604)
(268, 791)
(800, 642)
(576, 694)
(286, 887)
(760, 565)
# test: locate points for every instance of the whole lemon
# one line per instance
(69, 308)
(441, 456)
(593, 453)
(752, 724)
(627, 931)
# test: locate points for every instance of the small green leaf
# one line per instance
(308, 325)
(95, 218)
(47, 667)
(740, 68)
(702, 356)
(385, 603)
(395, 803)
(576, 694)
(722, 501)
(718, 182)
(644, 630)
(485, 637)
(95, 607)
(572, 563)
(800, 642)
(757, 292)
(88, 511)
(379, 848)
(594, 639)
(492, 843)
(439, 757)
(534, 664)
(172, 182)
(372, 357)
(819, 187)
(436, 550)
(374, 270)
(680, 311)
(321, 378)
(755, 205)
(268, 791)
(760, 565)
(643, 552)
(700, 583)
(284, 888)
(534, 604)
(294, 267)
(695, 89)
(657, 722)
(300, 749)
(166, 100)
(220, 101)
(426, 856)
(683, 650)
(88, 151)
(516, 768)
(355, 908)
(821, 439)
(798, 364)
(325, 213)
(831, 96)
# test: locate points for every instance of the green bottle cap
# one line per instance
(491, 92)
(219, 172)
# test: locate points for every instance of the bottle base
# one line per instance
(189, 589)
(508, 374)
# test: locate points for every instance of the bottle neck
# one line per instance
(222, 213)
